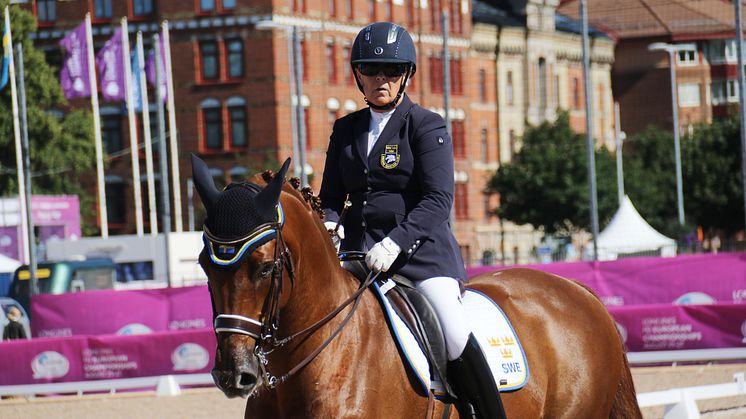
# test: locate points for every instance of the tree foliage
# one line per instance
(546, 184)
(61, 143)
(713, 181)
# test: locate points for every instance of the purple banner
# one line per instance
(74, 76)
(103, 312)
(109, 61)
(60, 216)
(667, 327)
(686, 279)
(9, 242)
(81, 358)
(150, 69)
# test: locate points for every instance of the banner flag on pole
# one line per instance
(111, 68)
(150, 70)
(74, 76)
(136, 96)
(7, 51)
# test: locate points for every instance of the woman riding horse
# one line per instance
(394, 162)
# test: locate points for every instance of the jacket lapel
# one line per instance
(362, 127)
(391, 130)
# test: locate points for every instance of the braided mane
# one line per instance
(307, 193)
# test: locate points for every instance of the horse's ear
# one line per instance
(266, 199)
(203, 182)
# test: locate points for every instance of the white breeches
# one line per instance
(445, 296)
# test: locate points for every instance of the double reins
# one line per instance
(264, 331)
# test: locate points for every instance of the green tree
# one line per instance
(61, 145)
(713, 183)
(650, 179)
(546, 184)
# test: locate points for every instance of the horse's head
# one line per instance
(248, 264)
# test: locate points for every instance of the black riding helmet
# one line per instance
(384, 42)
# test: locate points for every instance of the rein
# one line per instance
(264, 331)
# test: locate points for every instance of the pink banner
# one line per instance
(668, 327)
(81, 358)
(104, 312)
(686, 279)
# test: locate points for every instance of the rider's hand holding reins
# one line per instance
(336, 231)
(382, 255)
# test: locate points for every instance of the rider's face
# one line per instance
(379, 89)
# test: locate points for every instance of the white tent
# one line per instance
(7, 264)
(629, 233)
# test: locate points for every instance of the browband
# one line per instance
(226, 253)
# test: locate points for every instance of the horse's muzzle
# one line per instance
(239, 382)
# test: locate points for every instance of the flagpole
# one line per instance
(135, 149)
(26, 250)
(163, 158)
(96, 130)
(146, 135)
(172, 129)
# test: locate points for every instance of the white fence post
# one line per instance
(167, 386)
(686, 408)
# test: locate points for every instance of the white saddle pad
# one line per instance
(490, 326)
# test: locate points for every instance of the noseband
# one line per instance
(264, 330)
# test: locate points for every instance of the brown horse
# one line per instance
(294, 281)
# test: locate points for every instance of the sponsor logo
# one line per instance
(50, 364)
(739, 295)
(189, 356)
(135, 329)
(743, 331)
(694, 298)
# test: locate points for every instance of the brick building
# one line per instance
(706, 66)
(233, 97)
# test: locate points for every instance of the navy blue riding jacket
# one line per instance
(403, 190)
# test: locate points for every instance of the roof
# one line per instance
(675, 19)
(498, 13)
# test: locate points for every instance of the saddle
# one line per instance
(418, 315)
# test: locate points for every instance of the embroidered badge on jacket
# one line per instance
(390, 157)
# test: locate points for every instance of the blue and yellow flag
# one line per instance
(7, 50)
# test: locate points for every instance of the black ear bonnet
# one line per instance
(241, 217)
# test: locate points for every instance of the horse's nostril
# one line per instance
(247, 380)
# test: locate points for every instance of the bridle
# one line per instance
(264, 330)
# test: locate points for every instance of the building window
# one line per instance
(142, 7)
(46, 10)
(436, 74)
(488, 211)
(411, 14)
(372, 10)
(332, 5)
(235, 58)
(388, 10)
(542, 67)
(575, 93)
(482, 85)
(484, 145)
(348, 9)
(717, 92)
(212, 121)
(307, 122)
(348, 76)
(457, 85)
(461, 201)
(210, 60)
(435, 15)
(206, 5)
(687, 57)
(115, 200)
(331, 63)
(237, 115)
(304, 57)
(689, 95)
(111, 132)
(299, 6)
(512, 144)
(509, 99)
(459, 143)
(102, 9)
(229, 4)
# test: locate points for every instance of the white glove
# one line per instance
(382, 255)
(336, 237)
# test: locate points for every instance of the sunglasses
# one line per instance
(388, 69)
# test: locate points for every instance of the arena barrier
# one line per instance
(84, 358)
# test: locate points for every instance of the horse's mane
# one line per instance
(305, 194)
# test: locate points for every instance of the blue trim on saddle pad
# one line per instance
(410, 364)
(228, 253)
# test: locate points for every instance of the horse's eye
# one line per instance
(265, 270)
